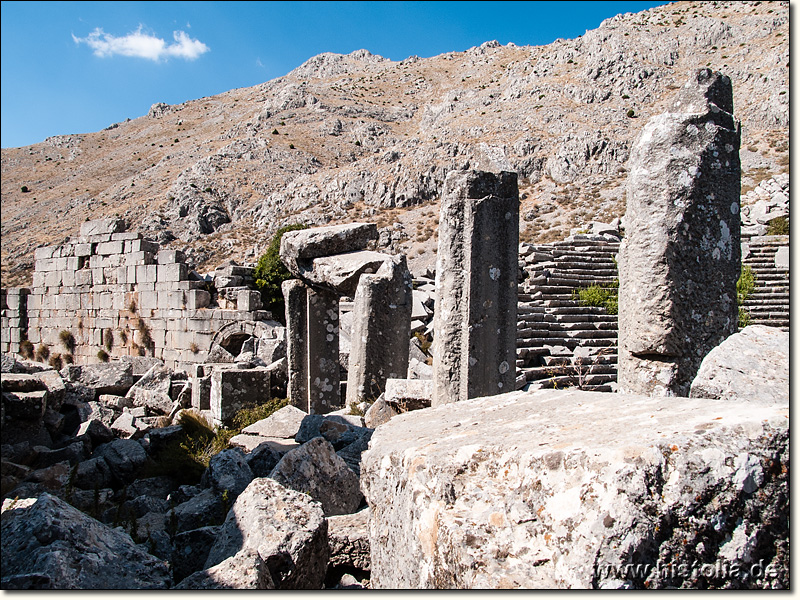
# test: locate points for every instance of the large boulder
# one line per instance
(124, 458)
(284, 527)
(316, 469)
(752, 364)
(566, 489)
(348, 538)
(152, 390)
(48, 544)
(229, 472)
(105, 378)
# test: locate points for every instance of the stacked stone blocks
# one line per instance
(120, 294)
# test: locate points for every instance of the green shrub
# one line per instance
(248, 416)
(778, 226)
(67, 340)
(597, 295)
(270, 273)
(108, 339)
(102, 355)
(24, 189)
(631, 113)
(744, 288)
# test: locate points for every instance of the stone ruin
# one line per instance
(458, 495)
(680, 259)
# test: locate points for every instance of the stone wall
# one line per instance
(119, 294)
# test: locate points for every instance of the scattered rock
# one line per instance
(48, 544)
(287, 530)
(315, 469)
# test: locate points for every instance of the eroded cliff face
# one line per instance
(360, 137)
(572, 489)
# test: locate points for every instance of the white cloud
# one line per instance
(143, 45)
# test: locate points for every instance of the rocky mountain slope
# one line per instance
(360, 137)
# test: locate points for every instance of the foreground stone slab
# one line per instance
(680, 258)
(562, 489)
(48, 544)
(752, 364)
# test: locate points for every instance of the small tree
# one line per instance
(270, 273)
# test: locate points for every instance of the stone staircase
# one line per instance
(561, 343)
(769, 302)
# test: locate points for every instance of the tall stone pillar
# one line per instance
(322, 327)
(295, 296)
(680, 258)
(381, 330)
(475, 319)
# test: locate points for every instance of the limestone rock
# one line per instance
(124, 458)
(409, 394)
(283, 423)
(351, 454)
(382, 309)
(324, 241)
(191, 550)
(475, 317)
(287, 530)
(48, 544)
(562, 489)
(379, 413)
(105, 378)
(314, 468)
(750, 365)
(341, 273)
(679, 261)
(337, 429)
(228, 470)
(263, 458)
(152, 390)
(201, 510)
(348, 538)
(245, 570)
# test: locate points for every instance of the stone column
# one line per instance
(296, 298)
(680, 258)
(381, 330)
(475, 320)
(322, 327)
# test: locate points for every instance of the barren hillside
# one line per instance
(360, 137)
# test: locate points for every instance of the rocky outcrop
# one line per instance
(48, 544)
(572, 489)
(752, 364)
(679, 260)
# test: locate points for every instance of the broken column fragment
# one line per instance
(475, 319)
(322, 330)
(296, 299)
(679, 261)
(381, 328)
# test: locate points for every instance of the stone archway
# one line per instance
(232, 336)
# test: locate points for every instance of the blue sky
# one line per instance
(77, 67)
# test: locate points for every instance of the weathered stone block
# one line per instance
(235, 389)
(109, 248)
(323, 351)
(168, 257)
(172, 271)
(475, 319)
(381, 326)
(324, 241)
(196, 299)
(248, 300)
(680, 258)
(563, 489)
(296, 299)
(102, 227)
